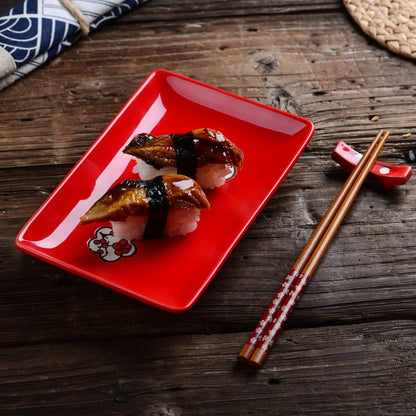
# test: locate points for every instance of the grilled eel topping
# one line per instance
(185, 151)
(138, 197)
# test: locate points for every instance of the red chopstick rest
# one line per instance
(387, 175)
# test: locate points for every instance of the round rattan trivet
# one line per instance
(392, 23)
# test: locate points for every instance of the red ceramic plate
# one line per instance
(171, 273)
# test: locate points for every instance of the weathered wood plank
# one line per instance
(358, 369)
(268, 57)
(163, 9)
(379, 288)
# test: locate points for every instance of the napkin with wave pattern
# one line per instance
(37, 30)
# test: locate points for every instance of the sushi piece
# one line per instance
(165, 206)
(205, 155)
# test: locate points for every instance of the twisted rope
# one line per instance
(85, 28)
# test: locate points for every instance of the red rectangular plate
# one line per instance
(171, 273)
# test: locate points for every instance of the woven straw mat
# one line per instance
(392, 23)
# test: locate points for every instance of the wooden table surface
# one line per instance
(73, 347)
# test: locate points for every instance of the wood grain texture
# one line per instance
(356, 369)
(72, 347)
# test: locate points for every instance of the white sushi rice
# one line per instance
(130, 229)
(213, 175)
(208, 176)
(147, 172)
(180, 221)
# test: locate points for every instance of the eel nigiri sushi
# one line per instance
(205, 155)
(165, 206)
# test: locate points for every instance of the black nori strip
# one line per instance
(158, 208)
(186, 158)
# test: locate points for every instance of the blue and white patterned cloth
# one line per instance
(37, 30)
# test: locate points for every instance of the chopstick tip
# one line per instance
(245, 353)
(257, 358)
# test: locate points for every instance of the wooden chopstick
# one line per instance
(278, 299)
(258, 344)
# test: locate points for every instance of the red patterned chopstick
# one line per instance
(266, 331)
